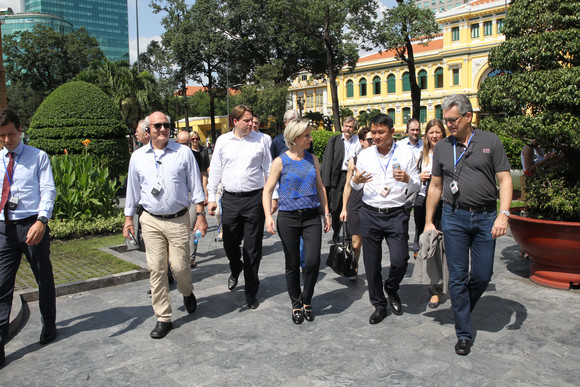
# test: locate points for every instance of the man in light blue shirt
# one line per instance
(413, 140)
(28, 195)
(165, 180)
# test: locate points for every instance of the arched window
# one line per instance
(362, 87)
(406, 84)
(391, 113)
(391, 84)
(423, 114)
(349, 89)
(439, 77)
(406, 114)
(438, 112)
(377, 85)
(423, 79)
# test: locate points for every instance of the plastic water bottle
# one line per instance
(397, 165)
(197, 236)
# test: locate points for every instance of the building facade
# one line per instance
(439, 5)
(106, 20)
(12, 23)
(455, 62)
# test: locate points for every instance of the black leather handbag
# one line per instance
(341, 257)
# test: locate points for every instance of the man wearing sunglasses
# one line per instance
(164, 179)
(465, 166)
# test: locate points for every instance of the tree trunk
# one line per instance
(210, 91)
(415, 89)
(332, 76)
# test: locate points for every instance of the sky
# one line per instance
(150, 27)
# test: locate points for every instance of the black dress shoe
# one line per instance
(252, 302)
(161, 329)
(297, 316)
(394, 301)
(308, 313)
(47, 334)
(378, 315)
(190, 303)
(233, 281)
(463, 347)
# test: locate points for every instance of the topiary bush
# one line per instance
(537, 96)
(319, 141)
(77, 111)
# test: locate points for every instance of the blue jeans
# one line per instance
(467, 232)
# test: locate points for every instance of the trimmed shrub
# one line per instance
(319, 141)
(77, 111)
(68, 229)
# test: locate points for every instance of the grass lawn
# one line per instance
(76, 260)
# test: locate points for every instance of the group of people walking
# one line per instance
(368, 181)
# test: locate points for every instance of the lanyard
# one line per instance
(155, 160)
(349, 145)
(455, 159)
(14, 167)
(388, 162)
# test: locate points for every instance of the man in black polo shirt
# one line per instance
(465, 166)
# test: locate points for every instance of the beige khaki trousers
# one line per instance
(166, 240)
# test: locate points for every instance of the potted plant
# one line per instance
(537, 97)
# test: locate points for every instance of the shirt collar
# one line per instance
(17, 151)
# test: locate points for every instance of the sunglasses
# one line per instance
(165, 125)
(369, 140)
(195, 139)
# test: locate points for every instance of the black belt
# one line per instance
(382, 210)
(242, 194)
(30, 219)
(176, 215)
(478, 210)
(303, 211)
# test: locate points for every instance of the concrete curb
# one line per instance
(17, 314)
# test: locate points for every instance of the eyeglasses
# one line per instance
(369, 140)
(452, 120)
(165, 125)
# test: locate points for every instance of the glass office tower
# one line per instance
(106, 20)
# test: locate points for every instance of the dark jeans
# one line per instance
(394, 227)
(243, 219)
(12, 246)
(291, 226)
(467, 232)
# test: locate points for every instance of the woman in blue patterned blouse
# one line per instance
(301, 194)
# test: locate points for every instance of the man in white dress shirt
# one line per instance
(241, 162)
(386, 172)
(413, 140)
(164, 179)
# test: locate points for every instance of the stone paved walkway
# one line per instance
(525, 334)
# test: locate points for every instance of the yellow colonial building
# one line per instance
(455, 62)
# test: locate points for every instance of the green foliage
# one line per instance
(366, 116)
(77, 111)
(84, 190)
(320, 141)
(316, 117)
(537, 97)
(68, 229)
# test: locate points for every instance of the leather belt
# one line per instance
(30, 219)
(477, 210)
(382, 210)
(172, 216)
(242, 194)
(303, 211)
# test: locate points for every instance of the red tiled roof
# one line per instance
(436, 44)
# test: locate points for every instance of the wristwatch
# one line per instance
(43, 219)
(200, 213)
(505, 212)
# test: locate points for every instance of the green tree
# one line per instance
(44, 59)
(79, 111)
(366, 116)
(537, 96)
(135, 93)
(399, 27)
(335, 31)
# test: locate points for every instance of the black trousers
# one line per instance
(394, 227)
(336, 206)
(291, 226)
(12, 246)
(243, 219)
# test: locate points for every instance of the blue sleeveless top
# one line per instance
(297, 188)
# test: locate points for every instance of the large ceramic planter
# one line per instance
(553, 247)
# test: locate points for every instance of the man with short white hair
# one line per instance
(141, 135)
(278, 144)
(164, 179)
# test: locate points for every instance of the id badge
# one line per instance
(12, 203)
(156, 190)
(385, 191)
(454, 187)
